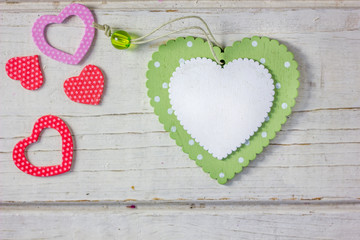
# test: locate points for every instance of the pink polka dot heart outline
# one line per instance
(48, 121)
(38, 33)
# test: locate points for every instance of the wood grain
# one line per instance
(305, 185)
(195, 221)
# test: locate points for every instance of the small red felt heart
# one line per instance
(86, 88)
(27, 70)
(24, 165)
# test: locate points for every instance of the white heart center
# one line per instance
(221, 108)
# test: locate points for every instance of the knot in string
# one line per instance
(104, 27)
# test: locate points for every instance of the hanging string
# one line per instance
(209, 36)
(178, 19)
(183, 29)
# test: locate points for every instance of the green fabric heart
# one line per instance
(270, 53)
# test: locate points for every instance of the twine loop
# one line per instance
(209, 36)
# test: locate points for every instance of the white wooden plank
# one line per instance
(171, 5)
(187, 221)
(312, 150)
(286, 173)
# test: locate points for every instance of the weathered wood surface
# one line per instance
(305, 185)
(201, 221)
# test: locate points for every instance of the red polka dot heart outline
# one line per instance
(27, 70)
(86, 88)
(38, 33)
(48, 121)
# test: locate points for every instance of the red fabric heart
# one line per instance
(24, 165)
(86, 88)
(27, 70)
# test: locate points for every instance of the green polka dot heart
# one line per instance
(222, 117)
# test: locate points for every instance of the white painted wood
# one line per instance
(198, 221)
(156, 5)
(313, 162)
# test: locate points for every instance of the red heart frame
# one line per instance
(48, 121)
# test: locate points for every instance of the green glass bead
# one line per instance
(120, 39)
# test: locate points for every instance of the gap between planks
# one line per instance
(285, 206)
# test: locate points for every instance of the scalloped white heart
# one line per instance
(221, 107)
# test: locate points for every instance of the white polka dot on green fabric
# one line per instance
(170, 111)
(262, 60)
(254, 43)
(157, 99)
(287, 64)
(191, 142)
(181, 61)
(278, 85)
(189, 43)
(241, 160)
(173, 129)
(157, 64)
(165, 85)
(284, 105)
(264, 134)
(199, 157)
(221, 175)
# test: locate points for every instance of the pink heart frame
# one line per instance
(38, 33)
